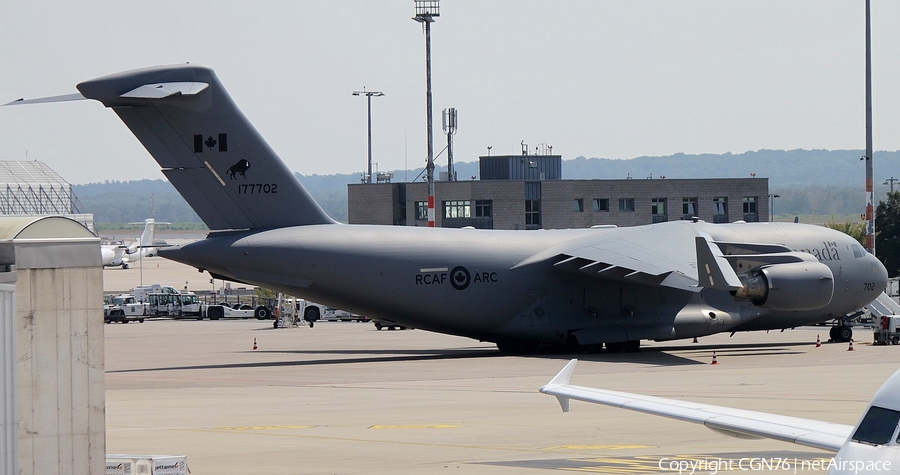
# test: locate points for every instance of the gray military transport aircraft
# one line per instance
(523, 290)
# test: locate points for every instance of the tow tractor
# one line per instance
(123, 309)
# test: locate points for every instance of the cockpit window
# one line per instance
(877, 426)
(858, 251)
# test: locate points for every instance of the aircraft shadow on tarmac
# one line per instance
(649, 356)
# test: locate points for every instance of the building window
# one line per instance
(579, 205)
(751, 209)
(689, 208)
(484, 208)
(457, 209)
(750, 205)
(658, 210)
(533, 212)
(600, 204)
(626, 204)
(720, 209)
(421, 210)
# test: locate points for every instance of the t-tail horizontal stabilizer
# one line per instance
(713, 270)
(207, 149)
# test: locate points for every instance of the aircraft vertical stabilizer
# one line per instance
(206, 147)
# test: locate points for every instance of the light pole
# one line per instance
(426, 12)
(772, 206)
(891, 182)
(369, 95)
(870, 185)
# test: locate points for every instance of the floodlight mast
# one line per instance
(870, 179)
(369, 95)
(426, 12)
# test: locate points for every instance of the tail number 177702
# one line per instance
(257, 188)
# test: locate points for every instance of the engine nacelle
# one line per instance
(789, 286)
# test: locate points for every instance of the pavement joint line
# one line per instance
(361, 440)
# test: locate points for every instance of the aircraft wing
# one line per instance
(733, 422)
(643, 254)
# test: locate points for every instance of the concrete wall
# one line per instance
(8, 419)
(60, 372)
(51, 326)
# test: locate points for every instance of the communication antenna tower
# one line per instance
(449, 126)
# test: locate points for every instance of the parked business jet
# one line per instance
(870, 447)
(521, 289)
(146, 245)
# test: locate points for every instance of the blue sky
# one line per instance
(612, 79)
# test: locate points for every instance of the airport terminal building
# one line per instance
(528, 192)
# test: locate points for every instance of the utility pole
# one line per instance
(449, 126)
(369, 95)
(426, 12)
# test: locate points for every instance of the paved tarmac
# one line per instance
(344, 398)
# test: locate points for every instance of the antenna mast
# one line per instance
(449, 127)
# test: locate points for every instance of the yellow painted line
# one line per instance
(416, 426)
(262, 428)
(598, 447)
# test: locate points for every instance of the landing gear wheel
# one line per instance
(311, 314)
(845, 334)
(833, 333)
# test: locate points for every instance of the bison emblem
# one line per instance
(240, 167)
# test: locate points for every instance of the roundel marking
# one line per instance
(460, 278)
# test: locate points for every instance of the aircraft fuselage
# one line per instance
(466, 281)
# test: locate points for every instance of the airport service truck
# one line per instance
(887, 333)
(152, 301)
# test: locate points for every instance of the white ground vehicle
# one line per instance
(123, 309)
(313, 312)
(379, 324)
(177, 305)
(888, 332)
(216, 312)
(142, 292)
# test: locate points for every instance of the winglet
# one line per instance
(713, 270)
(562, 379)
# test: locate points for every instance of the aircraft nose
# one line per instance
(880, 273)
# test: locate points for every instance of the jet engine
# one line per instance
(788, 286)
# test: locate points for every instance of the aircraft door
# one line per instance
(539, 311)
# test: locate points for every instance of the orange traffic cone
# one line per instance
(715, 360)
(851, 346)
(818, 341)
(254, 344)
